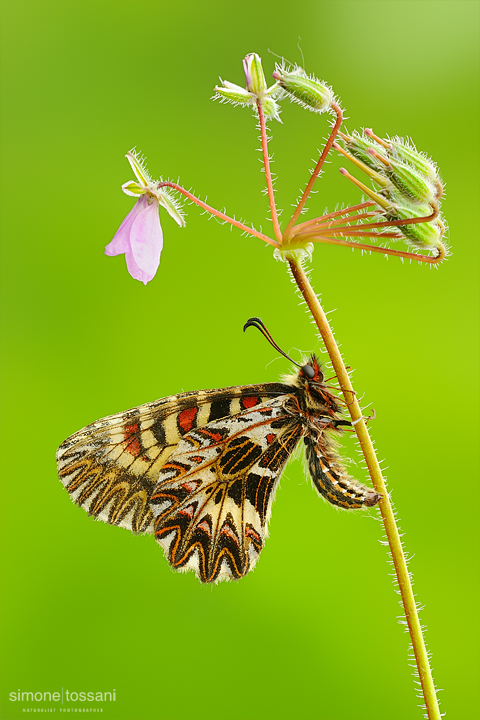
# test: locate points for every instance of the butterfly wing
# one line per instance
(111, 466)
(214, 494)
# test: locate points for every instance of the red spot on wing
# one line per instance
(227, 530)
(190, 486)
(250, 532)
(270, 438)
(131, 443)
(249, 402)
(130, 430)
(216, 437)
(205, 527)
(186, 419)
(188, 511)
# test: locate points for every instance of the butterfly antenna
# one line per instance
(256, 322)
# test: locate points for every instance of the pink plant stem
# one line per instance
(337, 213)
(385, 251)
(219, 214)
(316, 172)
(268, 175)
(354, 232)
(385, 223)
(346, 232)
(334, 223)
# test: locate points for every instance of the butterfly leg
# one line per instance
(364, 417)
(349, 425)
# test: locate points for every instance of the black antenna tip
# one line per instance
(252, 322)
(256, 322)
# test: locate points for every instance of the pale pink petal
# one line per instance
(121, 241)
(146, 240)
(136, 272)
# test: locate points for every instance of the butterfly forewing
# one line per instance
(214, 494)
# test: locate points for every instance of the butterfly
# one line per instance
(200, 469)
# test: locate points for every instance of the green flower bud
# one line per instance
(256, 91)
(252, 64)
(307, 91)
(426, 235)
(407, 154)
(359, 147)
(384, 183)
(400, 150)
(410, 183)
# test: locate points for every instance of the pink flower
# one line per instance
(140, 236)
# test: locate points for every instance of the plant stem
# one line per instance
(337, 213)
(316, 172)
(384, 223)
(433, 260)
(219, 214)
(268, 175)
(386, 510)
(333, 222)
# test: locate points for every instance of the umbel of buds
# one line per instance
(410, 186)
(406, 201)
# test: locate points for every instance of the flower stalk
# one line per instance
(216, 213)
(268, 174)
(433, 260)
(388, 517)
(301, 204)
(366, 445)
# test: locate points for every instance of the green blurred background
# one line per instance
(312, 633)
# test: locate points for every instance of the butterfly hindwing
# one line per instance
(214, 494)
(111, 466)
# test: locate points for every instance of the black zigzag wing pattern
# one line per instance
(111, 466)
(214, 495)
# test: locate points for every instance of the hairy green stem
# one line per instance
(391, 530)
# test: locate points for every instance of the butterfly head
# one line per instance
(310, 379)
(311, 371)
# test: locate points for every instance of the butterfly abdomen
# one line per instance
(330, 478)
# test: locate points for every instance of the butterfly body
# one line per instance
(200, 469)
